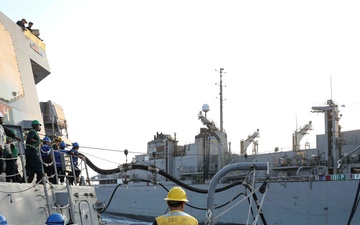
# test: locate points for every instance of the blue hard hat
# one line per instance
(75, 144)
(62, 145)
(3, 220)
(56, 219)
(45, 148)
(46, 138)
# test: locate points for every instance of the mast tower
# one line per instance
(221, 102)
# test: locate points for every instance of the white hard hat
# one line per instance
(1, 115)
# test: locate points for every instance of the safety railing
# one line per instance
(65, 169)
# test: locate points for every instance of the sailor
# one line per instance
(75, 156)
(176, 199)
(3, 220)
(58, 160)
(11, 153)
(3, 133)
(56, 219)
(29, 27)
(22, 23)
(33, 162)
(47, 158)
(56, 143)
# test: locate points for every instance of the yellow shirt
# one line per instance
(176, 217)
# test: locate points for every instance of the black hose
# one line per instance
(355, 205)
(97, 169)
(186, 186)
(256, 200)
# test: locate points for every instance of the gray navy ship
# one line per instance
(23, 64)
(312, 186)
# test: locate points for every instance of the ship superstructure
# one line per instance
(23, 64)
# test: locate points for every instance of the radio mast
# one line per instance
(221, 102)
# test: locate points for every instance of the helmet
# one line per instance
(56, 219)
(1, 115)
(62, 145)
(58, 138)
(75, 144)
(176, 194)
(35, 122)
(46, 138)
(46, 149)
(3, 220)
(13, 131)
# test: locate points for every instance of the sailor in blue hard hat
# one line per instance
(3, 220)
(75, 155)
(56, 219)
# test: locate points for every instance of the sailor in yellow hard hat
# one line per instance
(176, 200)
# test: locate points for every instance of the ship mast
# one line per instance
(221, 102)
(221, 122)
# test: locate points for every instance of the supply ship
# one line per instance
(23, 64)
(303, 186)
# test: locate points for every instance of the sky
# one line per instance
(124, 70)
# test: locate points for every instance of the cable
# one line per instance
(355, 205)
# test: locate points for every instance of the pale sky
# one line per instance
(124, 70)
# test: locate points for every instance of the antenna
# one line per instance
(221, 101)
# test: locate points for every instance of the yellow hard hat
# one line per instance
(176, 194)
(58, 138)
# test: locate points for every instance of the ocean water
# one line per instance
(118, 220)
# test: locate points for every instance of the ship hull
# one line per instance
(295, 203)
(31, 204)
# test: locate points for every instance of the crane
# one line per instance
(299, 134)
(251, 139)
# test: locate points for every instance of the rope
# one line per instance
(251, 199)
(234, 205)
(60, 207)
(48, 164)
(208, 217)
(261, 204)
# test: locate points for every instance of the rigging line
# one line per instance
(132, 152)
(199, 208)
(111, 150)
(260, 208)
(98, 157)
(235, 197)
(13, 192)
(252, 192)
(245, 197)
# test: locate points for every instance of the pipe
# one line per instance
(223, 172)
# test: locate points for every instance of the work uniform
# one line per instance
(175, 217)
(4, 132)
(12, 173)
(46, 155)
(59, 164)
(33, 162)
(75, 157)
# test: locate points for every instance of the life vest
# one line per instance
(11, 150)
(75, 157)
(176, 217)
(58, 158)
(35, 145)
(45, 153)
